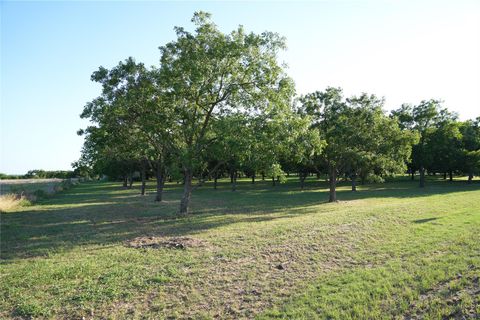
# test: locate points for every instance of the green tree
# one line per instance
(208, 73)
(134, 119)
(423, 119)
(378, 146)
(360, 138)
(470, 145)
(444, 146)
(329, 113)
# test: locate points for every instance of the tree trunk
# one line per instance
(318, 175)
(422, 177)
(354, 182)
(445, 176)
(273, 181)
(450, 175)
(125, 182)
(231, 176)
(263, 176)
(413, 174)
(160, 181)
(332, 179)
(187, 192)
(143, 174)
(253, 178)
(302, 180)
(470, 177)
(234, 181)
(130, 178)
(215, 182)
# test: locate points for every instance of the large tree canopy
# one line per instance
(208, 73)
(424, 119)
(360, 138)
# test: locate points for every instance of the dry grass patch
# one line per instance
(11, 201)
(166, 242)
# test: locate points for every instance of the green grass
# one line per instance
(30, 186)
(388, 251)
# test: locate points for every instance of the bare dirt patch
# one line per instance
(166, 242)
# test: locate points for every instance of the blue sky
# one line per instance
(404, 50)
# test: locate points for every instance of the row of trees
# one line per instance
(445, 145)
(221, 104)
(42, 174)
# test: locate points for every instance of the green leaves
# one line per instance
(359, 137)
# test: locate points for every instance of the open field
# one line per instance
(388, 251)
(21, 192)
(28, 185)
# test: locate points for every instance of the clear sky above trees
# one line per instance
(404, 51)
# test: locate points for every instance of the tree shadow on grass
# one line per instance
(425, 220)
(106, 214)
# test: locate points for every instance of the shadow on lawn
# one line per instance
(105, 213)
(425, 220)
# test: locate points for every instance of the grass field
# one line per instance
(28, 185)
(21, 192)
(388, 251)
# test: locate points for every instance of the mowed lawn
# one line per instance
(388, 251)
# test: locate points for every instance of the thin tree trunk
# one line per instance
(253, 178)
(130, 178)
(125, 182)
(234, 181)
(332, 177)
(445, 176)
(354, 182)
(450, 175)
(187, 192)
(422, 177)
(470, 177)
(273, 181)
(302, 180)
(263, 176)
(413, 174)
(160, 181)
(363, 179)
(215, 183)
(143, 174)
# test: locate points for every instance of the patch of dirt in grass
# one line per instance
(242, 287)
(166, 242)
(240, 283)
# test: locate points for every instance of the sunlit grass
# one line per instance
(389, 250)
